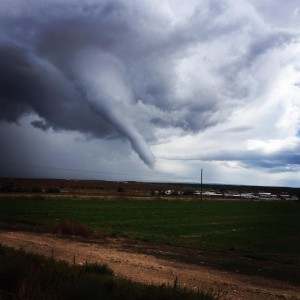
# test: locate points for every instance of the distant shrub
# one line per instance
(101, 269)
(154, 193)
(36, 189)
(8, 187)
(120, 190)
(52, 189)
(71, 228)
(189, 192)
(20, 189)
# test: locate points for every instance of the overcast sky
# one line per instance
(151, 90)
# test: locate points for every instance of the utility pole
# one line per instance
(201, 183)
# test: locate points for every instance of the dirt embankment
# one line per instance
(138, 266)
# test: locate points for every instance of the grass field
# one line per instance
(260, 229)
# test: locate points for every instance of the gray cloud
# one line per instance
(287, 161)
(29, 84)
(40, 124)
(114, 69)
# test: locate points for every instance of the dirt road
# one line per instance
(149, 269)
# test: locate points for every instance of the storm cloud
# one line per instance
(156, 75)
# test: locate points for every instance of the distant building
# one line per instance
(169, 192)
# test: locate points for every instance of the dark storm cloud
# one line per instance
(29, 84)
(280, 162)
(118, 69)
(40, 124)
(44, 80)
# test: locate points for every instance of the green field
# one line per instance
(261, 229)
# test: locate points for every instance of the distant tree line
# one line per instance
(11, 187)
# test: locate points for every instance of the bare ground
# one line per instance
(150, 263)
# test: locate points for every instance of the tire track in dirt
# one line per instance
(149, 269)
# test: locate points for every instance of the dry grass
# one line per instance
(33, 277)
(68, 227)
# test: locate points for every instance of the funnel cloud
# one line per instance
(159, 88)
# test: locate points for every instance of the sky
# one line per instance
(151, 90)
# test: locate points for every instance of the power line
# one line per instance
(216, 181)
(110, 173)
(87, 171)
(60, 169)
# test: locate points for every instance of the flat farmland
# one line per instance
(260, 229)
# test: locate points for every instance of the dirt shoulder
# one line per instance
(130, 259)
